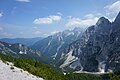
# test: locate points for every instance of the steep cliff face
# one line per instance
(53, 45)
(113, 61)
(77, 50)
(97, 50)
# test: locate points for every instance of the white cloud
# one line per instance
(45, 35)
(1, 14)
(54, 32)
(35, 27)
(113, 8)
(77, 22)
(5, 34)
(47, 20)
(55, 18)
(23, 0)
(43, 21)
(73, 22)
(59, 13)
(89, 16)
(37, 32)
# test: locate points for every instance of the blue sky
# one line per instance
(40, 18)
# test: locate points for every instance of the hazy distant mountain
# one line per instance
(25, 41)
(22, 51)
(54, 44)
(97, 50)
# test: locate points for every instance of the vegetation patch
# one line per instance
(50, 73)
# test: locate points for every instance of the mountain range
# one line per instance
(96, 49)
(25, 41)
(21, 51)
(53, 45)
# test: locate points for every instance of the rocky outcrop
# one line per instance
(53, 45)
(98, 48)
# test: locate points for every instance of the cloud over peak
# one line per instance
(113, 8)
(47, 20)
(77, 22)
(54, 32)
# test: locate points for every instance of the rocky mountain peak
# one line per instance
(98, 47)
(102, 20)
(103, 26)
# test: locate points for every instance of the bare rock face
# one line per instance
(53, 45)
(113, 61)
(98, 50)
